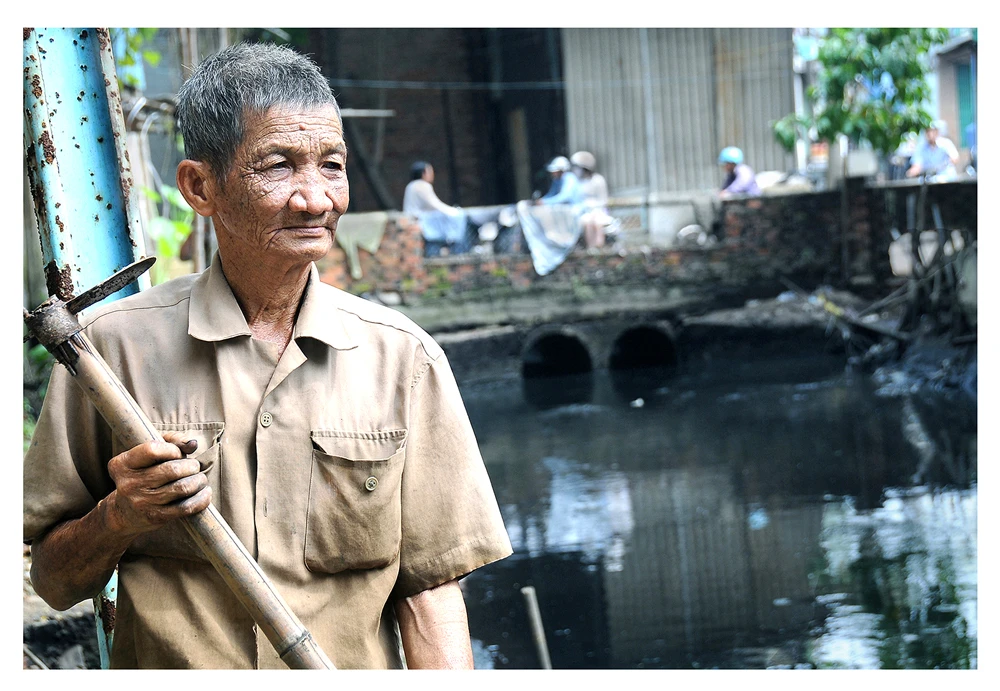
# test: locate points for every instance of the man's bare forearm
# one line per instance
(155, 483)
(75, 559)
(434, 627)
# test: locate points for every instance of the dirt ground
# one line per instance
(57, 640)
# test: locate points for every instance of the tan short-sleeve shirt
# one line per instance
(347, 467)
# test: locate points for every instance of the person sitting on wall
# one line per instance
(740, 178)
(443, 226)
(565, 187)
(452, 228)
(935, 156)
(595, 219)
(551, 224)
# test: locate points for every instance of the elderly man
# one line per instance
(327, 430)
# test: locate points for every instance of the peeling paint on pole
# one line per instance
(78, 168)
(81, 183)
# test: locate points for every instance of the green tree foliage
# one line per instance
(131, 46)
(871, 87)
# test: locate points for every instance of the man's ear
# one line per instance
(196, 183)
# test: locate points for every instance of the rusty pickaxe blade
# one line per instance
(111, 286)
(54, 321)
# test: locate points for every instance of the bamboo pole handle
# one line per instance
(537, 630)
(209, 529)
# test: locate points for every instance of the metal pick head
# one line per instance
(53, 322)
(110, 286)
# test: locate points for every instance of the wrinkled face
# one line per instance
(287, 186)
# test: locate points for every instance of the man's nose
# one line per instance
(312, 195)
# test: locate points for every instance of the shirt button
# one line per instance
(266, 419)
(371, 483)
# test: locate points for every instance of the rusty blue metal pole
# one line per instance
(81, 183)
(78, 168)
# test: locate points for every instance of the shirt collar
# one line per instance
(215, 315)
(320, 316)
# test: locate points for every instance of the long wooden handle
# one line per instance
(209, 529)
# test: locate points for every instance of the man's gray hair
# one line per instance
(242, 80)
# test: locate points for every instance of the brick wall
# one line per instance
(431, 125)
(760, 240)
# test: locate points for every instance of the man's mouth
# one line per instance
(307, 230)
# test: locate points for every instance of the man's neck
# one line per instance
(269, 299)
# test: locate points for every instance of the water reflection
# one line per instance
(726, 525)
(900, 582)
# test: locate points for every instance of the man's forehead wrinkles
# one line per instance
(325, 141)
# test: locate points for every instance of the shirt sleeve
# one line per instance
(430, 201)
(451, 524)
(65, 466)
(601, 190)
(949, 148)
(569, 193)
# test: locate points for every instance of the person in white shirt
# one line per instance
(595, 193)
(419, 195)
(442, 226)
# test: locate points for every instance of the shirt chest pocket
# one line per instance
(172, 540)
(354, 513)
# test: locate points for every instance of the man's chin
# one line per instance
(304, 248)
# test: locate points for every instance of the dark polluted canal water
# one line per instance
(792, 516)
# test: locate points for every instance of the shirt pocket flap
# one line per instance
(207, 434)
(360, 446)
(354, 511)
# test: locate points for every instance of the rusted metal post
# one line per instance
(78, 169)
(81, 182)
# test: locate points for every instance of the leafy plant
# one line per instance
(38, 364)
(170, 228)
(131, 51)
(871, 87)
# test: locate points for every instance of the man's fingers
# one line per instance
(195, 503)
(168, 472)
(182, 489)
(182, 441)
(148, 454)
